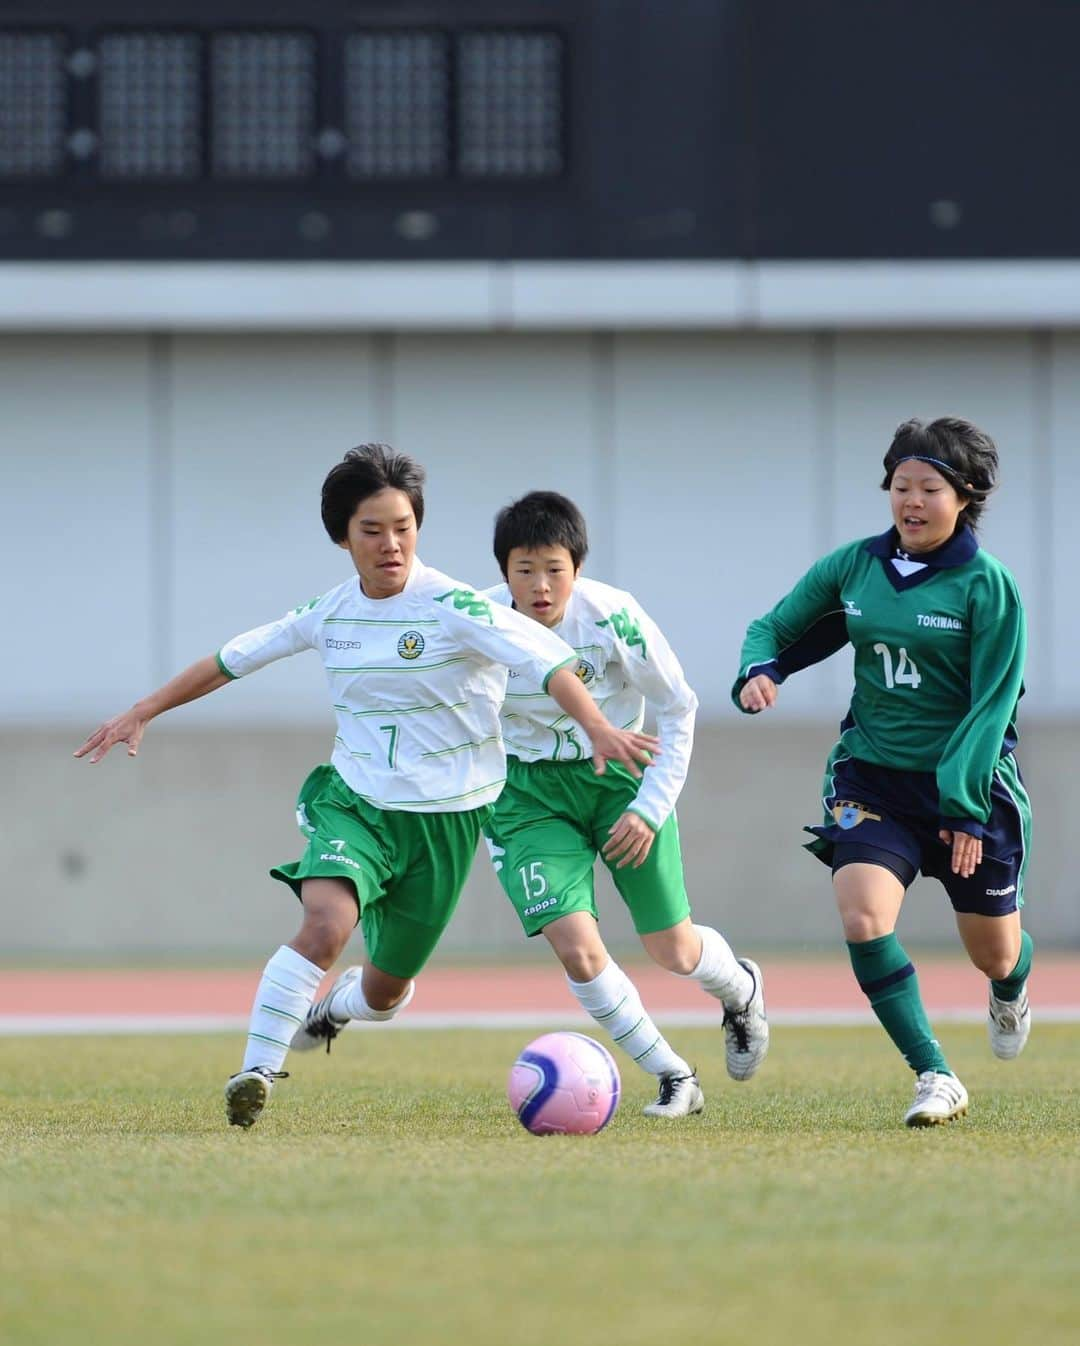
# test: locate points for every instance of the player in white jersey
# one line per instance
(555, 815)
(416, 664)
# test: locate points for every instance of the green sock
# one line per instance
(886, 976)
(1011, 986)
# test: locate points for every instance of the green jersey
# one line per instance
(939, 642)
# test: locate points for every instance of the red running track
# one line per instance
(793, 987)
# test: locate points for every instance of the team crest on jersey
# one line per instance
(411, 645)
(585, 671)
(848, 814)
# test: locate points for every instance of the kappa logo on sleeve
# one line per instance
(467, 600)
(848, 814)
(627, 630)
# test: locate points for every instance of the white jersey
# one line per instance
(417, 682)
(624, 661)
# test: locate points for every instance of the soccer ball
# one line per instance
(564, 1084)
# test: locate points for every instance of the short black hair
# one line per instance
(964, 455)
(541, 519)
(363, 472)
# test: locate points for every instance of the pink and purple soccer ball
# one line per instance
(564, 1084)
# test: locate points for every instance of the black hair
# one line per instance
(541, 519)
(363, 472)
(964, 455)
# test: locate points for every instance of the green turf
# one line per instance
(388, 1196)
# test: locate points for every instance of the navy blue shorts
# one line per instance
(878, 815)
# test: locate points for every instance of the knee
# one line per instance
(583, 964)
(996, 966)
(383, 1000)
(861, 926)
(322, 938)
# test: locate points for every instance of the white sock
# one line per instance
(288, 987)
(349, 1003)
(612, 1000)
(720, 972)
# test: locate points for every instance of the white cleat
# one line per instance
(938, 1098)
(746, 1030)
(1009, 1025)
(319, 1026)
(247, 1092)
(679, 1096)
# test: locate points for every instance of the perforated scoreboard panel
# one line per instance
(282, 129)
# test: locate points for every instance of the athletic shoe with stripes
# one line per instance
(320, 1026)
(679, 1096)
(247, 1092)
(938, 1098)
(746, 1030)
(1009, 1025)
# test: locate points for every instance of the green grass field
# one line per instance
(389, 1196)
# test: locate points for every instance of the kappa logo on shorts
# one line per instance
(411, 645)
(496, 852)
(585, 671)
(848, 814)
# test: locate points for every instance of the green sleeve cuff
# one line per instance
(565, 664)
(227, 671)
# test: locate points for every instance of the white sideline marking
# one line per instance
(90, 1025)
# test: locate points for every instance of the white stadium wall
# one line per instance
(161, 494)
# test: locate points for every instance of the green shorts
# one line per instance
(408, 869)
(546, 830)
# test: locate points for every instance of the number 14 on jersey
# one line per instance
(903, 672)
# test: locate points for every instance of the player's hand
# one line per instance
(758, 693)
(966, 851)
(627, 746)
(126, 728)
(629, 842)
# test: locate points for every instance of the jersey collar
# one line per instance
(958, 550)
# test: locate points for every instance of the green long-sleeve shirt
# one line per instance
(939, 658)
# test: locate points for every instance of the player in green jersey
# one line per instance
(556, 816)
(417, 668)
(923, 777)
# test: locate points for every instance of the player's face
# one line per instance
(925, 507)
(541, 582)
(382, 542)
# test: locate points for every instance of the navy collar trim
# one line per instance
(959, 549)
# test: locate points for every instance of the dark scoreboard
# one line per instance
(494, 129)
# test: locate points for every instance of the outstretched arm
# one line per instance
(609, 744)
(128, 727)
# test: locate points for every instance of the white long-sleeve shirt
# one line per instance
(624, 661)
(417, 682)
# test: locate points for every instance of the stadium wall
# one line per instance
(163, 494)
